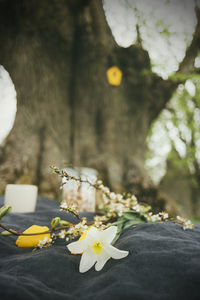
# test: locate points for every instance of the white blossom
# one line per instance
(164, 215)
(63, 206)
(43, 242)
(188, 225)
(62, 234)
(112, 196)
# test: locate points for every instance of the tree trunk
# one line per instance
(57, 54)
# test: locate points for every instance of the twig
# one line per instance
(64, 174)
(27, 234)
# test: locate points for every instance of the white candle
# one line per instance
(22, 197)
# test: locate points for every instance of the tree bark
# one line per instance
(57, 54)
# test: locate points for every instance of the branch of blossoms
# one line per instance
(96, 238)
(121, 208)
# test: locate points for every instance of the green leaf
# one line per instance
(4, 210)
(131, 215)
(129, 218)
(132, 223)
(5, 233)
(63, 223)
(55, 222)
(119, 221)
(119, 229)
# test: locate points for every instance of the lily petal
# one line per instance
(114, 252)
(88, 259)
(93, 232)
(77, 247)
(101, 260)
(108, 234)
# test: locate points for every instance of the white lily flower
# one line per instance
(96, 248)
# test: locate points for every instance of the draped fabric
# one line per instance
(163, 263)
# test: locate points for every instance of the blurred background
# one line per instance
(109, 85)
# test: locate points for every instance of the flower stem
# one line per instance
(64, 174)
(44, 232)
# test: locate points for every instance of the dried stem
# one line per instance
(75, 214)
(27, 234)
(64, 174)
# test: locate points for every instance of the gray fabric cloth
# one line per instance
(163, 263)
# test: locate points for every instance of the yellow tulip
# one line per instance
(114, 75)
(31, 241)
(83, 236)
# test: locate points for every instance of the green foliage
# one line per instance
(57, 221)
(185, 116)
(4, 210)
(129, 219)
(179, 123)
(5, 233)
(179, 77)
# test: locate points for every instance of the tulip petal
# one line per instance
(30, 241)
(109, 234)
(88, 259)
(115, 253)
(77, 247)
(101, 260)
